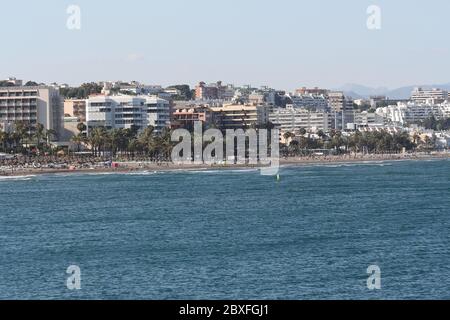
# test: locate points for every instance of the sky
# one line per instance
(284, 44)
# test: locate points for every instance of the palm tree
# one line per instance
(120, 139)
(78, 140)
(3, 139)
(21, 133)
(321, 134)
(134, 146)
(354, 142)
(429, 143)
(167, 145)
(337, 141)
(99, 139)
(39, 134)
(288, 136)
(145, 139)
(294, 147)
(50, 134)
(81, 127)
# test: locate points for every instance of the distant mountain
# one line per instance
(363, 91)
(352, 94)
(358, 91)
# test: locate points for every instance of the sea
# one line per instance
(317, 232)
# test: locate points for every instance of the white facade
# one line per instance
(432, 96)
(139, 89)
(310, 101)
(293, 119)
(365, 118)
(404, 113)
(114, 112)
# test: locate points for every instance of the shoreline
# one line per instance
(137, 167)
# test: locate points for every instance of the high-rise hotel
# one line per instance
(31, 105)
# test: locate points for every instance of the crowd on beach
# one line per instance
(354, 157)
(35, 164)
(24, 163)
(19, 164)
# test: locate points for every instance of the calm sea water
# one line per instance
(230, 234)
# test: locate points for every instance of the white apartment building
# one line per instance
(365, 118)
(293, 119)
(442, 140)
(429, 96)
(32, 105)
(114, 112)
(140, 89)
(310, 101)
(404, 113)
(445, 110)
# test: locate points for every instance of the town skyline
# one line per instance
(354, 90)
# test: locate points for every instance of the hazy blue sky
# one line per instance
(282, 43)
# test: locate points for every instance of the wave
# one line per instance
(349, 164)
(140, 173)
(17, 178)
(222, 171)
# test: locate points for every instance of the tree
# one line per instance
(39, 134)
(185, 92)
(98, 139)
(435, 124)
(288, 135)
(50, 135)
(321, 134)
(337, 142)
(78, 140)
(3, 139)
(6, 84)
(119, 140)
(81, 127)
(145, 139)
(167, 145)
(21, 134)
(31, 84)
(81, 92)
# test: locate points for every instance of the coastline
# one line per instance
(136, 167)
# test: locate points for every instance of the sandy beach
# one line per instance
(136, 166)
